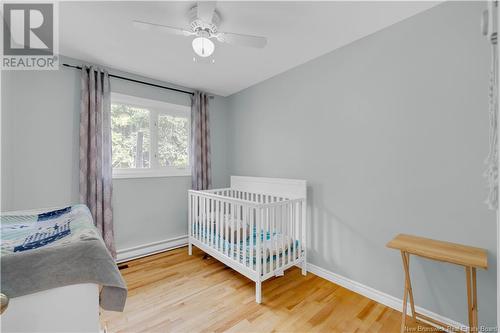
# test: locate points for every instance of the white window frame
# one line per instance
(156, 108)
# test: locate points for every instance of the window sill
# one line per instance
(149, 173)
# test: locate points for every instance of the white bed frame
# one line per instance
(271, 206)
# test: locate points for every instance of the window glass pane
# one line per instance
(130, 136)
(173, 141)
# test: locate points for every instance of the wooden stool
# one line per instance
(467, 256)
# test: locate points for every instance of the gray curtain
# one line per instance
(200, 142)
(95, 151)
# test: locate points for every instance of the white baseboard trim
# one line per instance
(380, 297)
(150, 248)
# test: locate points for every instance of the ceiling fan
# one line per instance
(205, 20)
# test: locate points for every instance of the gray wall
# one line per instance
(391, 133)
(40, 123)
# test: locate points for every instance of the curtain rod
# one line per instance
(138, 81)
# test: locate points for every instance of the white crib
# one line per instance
(257, 226)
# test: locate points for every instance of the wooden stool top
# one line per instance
(442, 251)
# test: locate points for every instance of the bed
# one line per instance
(56, 271)
(257, 226)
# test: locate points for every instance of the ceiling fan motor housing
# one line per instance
(201, 28)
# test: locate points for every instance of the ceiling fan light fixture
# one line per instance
(203, 46)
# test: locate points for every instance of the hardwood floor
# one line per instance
(174, 292)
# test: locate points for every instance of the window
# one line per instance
(150, 138)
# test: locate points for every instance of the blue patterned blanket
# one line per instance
(22, 232)
(274, 245)
(55, 248)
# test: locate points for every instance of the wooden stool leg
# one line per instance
(474, 299)
(471, 294)
(405, 295)
(406, 263)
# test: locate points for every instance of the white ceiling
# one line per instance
(102, 33)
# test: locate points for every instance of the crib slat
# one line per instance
(216, 224)
(286, 237)
(219, 225)
(290, 239)
(261, 235)
(190, 215)
(226, 227)
(217, 232)
(226, 224)
(302, 229)
(272, 231)
(196, 216)
(296, 231)
(207, 219)
(270, 244)
(264, 244)
(289, 223)
(223, 227)
(270, 222)
(252, 215)
(244, 222)
(200, 218)
(292, 226)
(193, 215)
(238, 231)
(279, 234)
(267, 244)
(284, 221)
(258, 248)
(233, 217)
(203, 221)
(210, 221)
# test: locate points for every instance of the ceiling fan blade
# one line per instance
(243, 40)
(206, 10)
(171, 30)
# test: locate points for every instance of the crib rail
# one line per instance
(244, 196)
(263, 233)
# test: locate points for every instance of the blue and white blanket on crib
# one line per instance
(274, 245)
